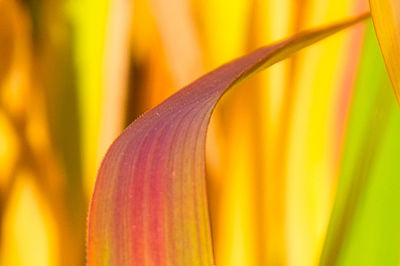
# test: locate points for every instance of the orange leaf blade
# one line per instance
(386, 18)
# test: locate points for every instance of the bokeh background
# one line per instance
(303, 159)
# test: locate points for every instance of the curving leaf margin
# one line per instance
(149, 206)
(386, 18)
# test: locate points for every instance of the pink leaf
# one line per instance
(150, 206)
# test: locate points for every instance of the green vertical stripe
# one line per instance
(364, 227)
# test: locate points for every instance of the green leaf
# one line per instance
(364, 229)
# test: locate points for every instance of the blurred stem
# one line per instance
(38, 163)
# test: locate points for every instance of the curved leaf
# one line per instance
(386, 17)
(150, 206)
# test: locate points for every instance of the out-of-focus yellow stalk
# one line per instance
(274, 21)
(224, 29)
(89, 20)
(9, 151)
(175, 22)
(151, 60)
(31, 234)
(28, 228)
(115, 72)
(312, 163)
